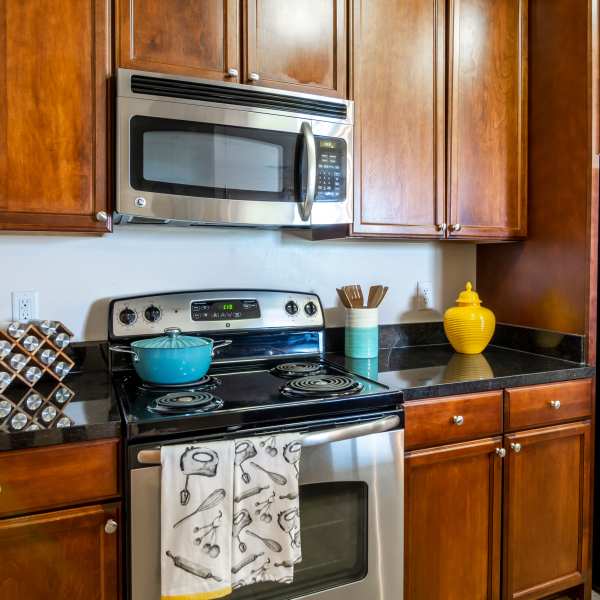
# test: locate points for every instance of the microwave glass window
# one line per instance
(213, 160)
(333, 529)
(204, 160)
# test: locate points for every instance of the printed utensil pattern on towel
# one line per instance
(245, 527)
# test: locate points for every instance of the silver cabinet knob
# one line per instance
(501, 452)
(102, 216)
(254, 77)
(516, 447)
(456, 227)
(111, 526)
(232, 72)
(442, 227)
(458, 420)
(555, 404)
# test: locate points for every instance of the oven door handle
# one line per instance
(352, 431)
(311, 178)
(152, 457)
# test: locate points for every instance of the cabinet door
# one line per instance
(399, 92)
(487, 118)
(298, 45)
(546, 510)
(63, 555)
(452, 522)
(54, 67)
(182, 37)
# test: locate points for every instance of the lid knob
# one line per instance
(468, 297)
(173, 331)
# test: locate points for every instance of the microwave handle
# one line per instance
(311, 183)
(329, 436)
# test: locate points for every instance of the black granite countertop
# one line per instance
(93, 411)
(423, 371)
(436, 370)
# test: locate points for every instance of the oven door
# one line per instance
(351, 512)
(201, 164)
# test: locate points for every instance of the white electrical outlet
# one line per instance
(425, 295)
(24, 306)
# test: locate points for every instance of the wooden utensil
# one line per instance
(374, 292)
(355, 295)
(344, 297)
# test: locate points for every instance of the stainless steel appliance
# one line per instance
(274, 377)
(191, 151)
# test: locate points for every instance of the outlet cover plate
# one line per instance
(25, 306)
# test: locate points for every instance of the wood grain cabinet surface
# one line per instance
(453, 522)
(297, 45)
(54, 69)
(63, 555)
(399, 94)
(441, 137)
(55, 476)
(487, 117)
(440, 421)
(546, 510)
(180, 37)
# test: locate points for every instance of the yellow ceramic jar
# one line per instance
(469, 327)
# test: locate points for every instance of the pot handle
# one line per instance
(221, 344)
(125, 350)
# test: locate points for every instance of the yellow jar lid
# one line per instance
(468, 297)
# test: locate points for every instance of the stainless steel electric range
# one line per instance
(273, 377)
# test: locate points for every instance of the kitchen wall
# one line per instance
(76, 275)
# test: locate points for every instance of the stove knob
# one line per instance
(310, 308)
(291, 308)
(127, 316)
(152, 313)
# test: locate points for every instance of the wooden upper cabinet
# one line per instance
(297, 45)
(64, 555)
(452, 522)
(199, 38)
(487, 120)
(54, 71)
(399, 91)
(546, 511)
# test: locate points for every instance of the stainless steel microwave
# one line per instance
(191, 151)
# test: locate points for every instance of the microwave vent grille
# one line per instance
(190, 90)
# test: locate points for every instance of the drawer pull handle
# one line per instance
(555, 404)
(111, 526)
(501, 452)
(516, 447)
(458, 420)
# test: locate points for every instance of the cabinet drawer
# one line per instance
(446, 420)
(43, 478)
(547, 404)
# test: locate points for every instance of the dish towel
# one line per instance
(230, 515)
(196, 517)
(266, 519)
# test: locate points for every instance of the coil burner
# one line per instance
(186, 403)
(292, 370)
(321, 386)
(207, 383)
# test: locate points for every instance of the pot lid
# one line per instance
(172, 340)
(468, 297)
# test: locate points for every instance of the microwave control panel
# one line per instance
(331, 169)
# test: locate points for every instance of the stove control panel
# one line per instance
(214, 310)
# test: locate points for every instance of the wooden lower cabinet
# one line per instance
(453, 522)
(63, 555)
(546, 510)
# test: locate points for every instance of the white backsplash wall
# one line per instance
(76, 275)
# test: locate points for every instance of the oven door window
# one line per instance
(333, 526)
(214, 161)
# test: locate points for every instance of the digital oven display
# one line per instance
(225, 310)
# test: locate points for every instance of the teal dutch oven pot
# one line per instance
(173, 358)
